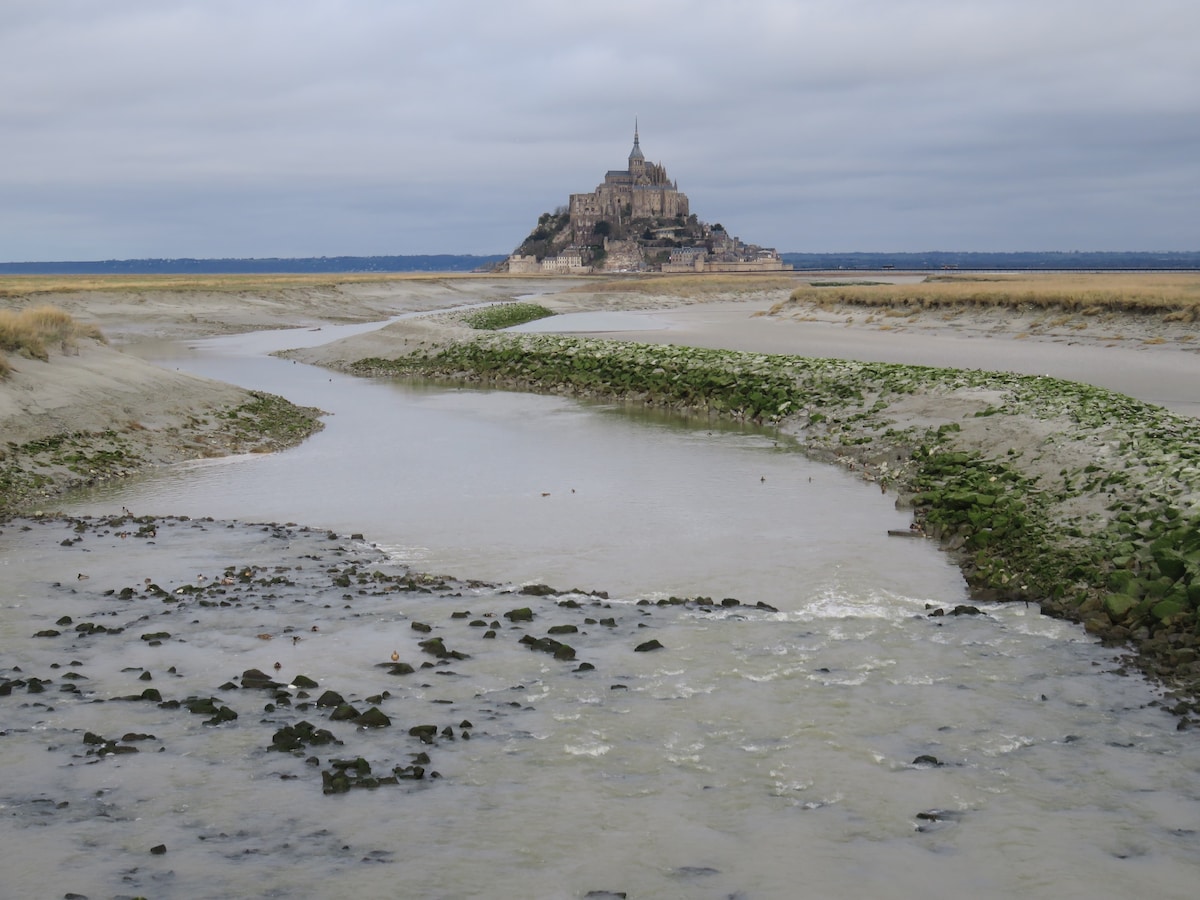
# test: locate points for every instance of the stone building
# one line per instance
(641, 191)
(646, 225)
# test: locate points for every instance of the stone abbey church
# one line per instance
(636, 220)
(641, 191)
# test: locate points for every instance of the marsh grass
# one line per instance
(1176, 297)
(26, 285)
(31, 332)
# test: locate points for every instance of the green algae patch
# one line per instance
(269, 422)
(1080, 499)
(504, 315)
(52, 465)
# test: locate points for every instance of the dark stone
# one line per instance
(647, 646)
(422, 627)
(963, 610)
(159, 849)
(766, 606)
(330, 698)
(926, 760)
(537, 590)
(303, 681)
(557, 649)
(563, 629)
(343, 713)
(201, 706)
(373, 718)
(294, 737)
(427, 733)
(437, 647)
(256, 678)
(399, 668)
(224, 714)
(523, 614)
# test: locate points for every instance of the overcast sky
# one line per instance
(239, 128)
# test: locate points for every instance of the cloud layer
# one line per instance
(136, 128)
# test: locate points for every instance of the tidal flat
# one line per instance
(900, 736)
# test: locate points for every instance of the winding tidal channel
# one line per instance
(818, 734)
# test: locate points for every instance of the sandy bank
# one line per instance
(96, 412)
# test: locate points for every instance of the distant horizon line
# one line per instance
(504, 255)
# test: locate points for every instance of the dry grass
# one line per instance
(31, 332)
(26, 285)
(688, 285)
(1176, 296)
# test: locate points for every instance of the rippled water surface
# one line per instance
(764, 751)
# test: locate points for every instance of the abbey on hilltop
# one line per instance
(636, 220)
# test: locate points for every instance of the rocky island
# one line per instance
(636, 220)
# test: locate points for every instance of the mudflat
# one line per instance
(973, 413)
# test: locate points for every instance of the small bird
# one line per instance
(81, 577)
(264, 636)
(395, 656)
(278, 665)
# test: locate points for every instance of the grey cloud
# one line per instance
(287, 128)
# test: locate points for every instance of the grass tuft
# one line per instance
(1175, 296)
(30, 332)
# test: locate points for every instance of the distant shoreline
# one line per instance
(807, 263)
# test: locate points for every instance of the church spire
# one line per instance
(636, 152)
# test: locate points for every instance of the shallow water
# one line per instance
(760, 753)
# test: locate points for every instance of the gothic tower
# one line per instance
(637, 162)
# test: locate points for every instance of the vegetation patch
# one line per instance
(505, 315)
(1174, 296)
(268, 422)
(32, 332)
(1097, 521)
(20, 286)
(52, 465)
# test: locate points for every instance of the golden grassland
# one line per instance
(687, 285)
(30, 332)
(1175, 296)
(26, 285)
